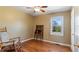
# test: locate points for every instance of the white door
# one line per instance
(75, 29)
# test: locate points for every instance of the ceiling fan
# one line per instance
(37, 8)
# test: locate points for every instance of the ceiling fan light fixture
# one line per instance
(37, 9)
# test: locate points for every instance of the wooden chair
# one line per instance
(1, 46)
(7, 44)
(8, 47)
(14, 47)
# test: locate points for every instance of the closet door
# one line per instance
(39, 31)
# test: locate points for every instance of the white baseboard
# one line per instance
(49, 42)
(58, 43)
(27, 39)
(21, 41)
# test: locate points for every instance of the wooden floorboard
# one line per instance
(41, 46)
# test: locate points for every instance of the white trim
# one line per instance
(27, 39)
(47, 41)
(52, 42)
(21, 41)
(58, 43)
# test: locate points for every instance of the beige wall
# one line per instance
(45, 20)
(21, 24)
(17, 22)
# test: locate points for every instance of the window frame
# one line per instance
(62, 26)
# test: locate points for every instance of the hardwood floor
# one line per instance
(41, 46)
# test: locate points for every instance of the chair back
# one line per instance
(4, 38)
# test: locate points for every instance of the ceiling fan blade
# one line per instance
(42, 10)
(44, 6)
(29, 7)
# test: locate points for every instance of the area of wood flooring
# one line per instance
(41, 46)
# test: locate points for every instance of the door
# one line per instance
(75, 29)
(76, 42)
(72, 29)
(39, 31)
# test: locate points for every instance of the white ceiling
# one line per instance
(49, 9)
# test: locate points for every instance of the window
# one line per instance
(57, 24)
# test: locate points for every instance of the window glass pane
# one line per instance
(57, 25)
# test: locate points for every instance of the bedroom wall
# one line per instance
(45, 20)
(23, 25)
(18, 23)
